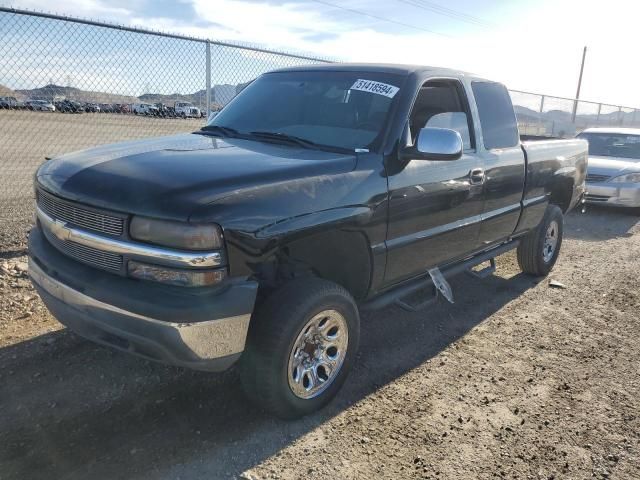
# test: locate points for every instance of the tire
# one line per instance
(633, 211)
(267, 367)
(539, 249)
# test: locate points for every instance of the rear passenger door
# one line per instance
(503, 161)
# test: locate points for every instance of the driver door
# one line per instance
(435, 207)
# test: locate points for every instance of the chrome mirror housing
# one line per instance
(439, 144)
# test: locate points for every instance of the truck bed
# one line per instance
(555, 164)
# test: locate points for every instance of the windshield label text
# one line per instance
(375, 87)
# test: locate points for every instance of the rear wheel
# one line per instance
(301, 346)
(633, 211)
(539, 249)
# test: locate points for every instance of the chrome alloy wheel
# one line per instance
(550, 241)
(318, 354)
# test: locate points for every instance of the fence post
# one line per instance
(540, 116)
(598, 116)
(620, 121)
(208, 81)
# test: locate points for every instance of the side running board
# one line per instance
(441, 284)
(436, 281)
(485, 272)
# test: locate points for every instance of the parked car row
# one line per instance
(178, 110)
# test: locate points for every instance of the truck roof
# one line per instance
(380, 68)
(623, 130)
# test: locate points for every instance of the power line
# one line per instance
(447, 12)
(388, 20)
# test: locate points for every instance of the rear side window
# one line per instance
(497, 118)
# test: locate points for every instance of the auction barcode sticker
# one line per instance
(375, 87)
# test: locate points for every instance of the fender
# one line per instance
(322, 242)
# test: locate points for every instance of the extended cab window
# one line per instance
(497, 118)
(442, 104)
(340, 109)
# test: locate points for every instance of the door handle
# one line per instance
(477, 176)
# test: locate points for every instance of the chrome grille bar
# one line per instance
(156, 255)
(594, 177)
(105, 260)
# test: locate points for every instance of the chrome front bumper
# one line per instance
(612, 194)
(203, 332)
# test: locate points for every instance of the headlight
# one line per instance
(175, 276)
(180, 235)
(628, 178)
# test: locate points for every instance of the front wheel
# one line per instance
(302, 343)
(539, 249)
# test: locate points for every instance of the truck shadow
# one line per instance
(600, 223)
(70, 409)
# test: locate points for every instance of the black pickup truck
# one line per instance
(317, 192)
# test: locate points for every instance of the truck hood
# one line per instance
(612, 166)
(171, 177)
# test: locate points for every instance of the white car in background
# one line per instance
(40, 105)
(187, 109)
(145, 109)
(613, 172)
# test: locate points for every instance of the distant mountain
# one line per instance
(525, 114)
(56, 92)
(166, 99)
(223, 93)
(7, 92)
(220, 95)
(560, 118)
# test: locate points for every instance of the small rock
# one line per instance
(21, 267)
(556, 284)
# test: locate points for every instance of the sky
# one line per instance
(530, 45)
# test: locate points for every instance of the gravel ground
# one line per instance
(58, 133)
(518, 379)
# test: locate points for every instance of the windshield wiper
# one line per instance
(219, 129)
(284, 137)
(292, 139)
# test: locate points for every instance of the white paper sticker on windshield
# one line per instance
(375, 87)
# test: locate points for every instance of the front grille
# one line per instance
(594, 177)
(596, 198)
(79, 215)
(105, 260)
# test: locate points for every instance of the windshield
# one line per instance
(340, 109)
(618, 145)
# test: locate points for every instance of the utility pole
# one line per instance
(575, 102)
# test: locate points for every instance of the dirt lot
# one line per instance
(516, 380)
(58, 133)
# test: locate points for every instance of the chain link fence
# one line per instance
(67, 84)
(546, 115)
